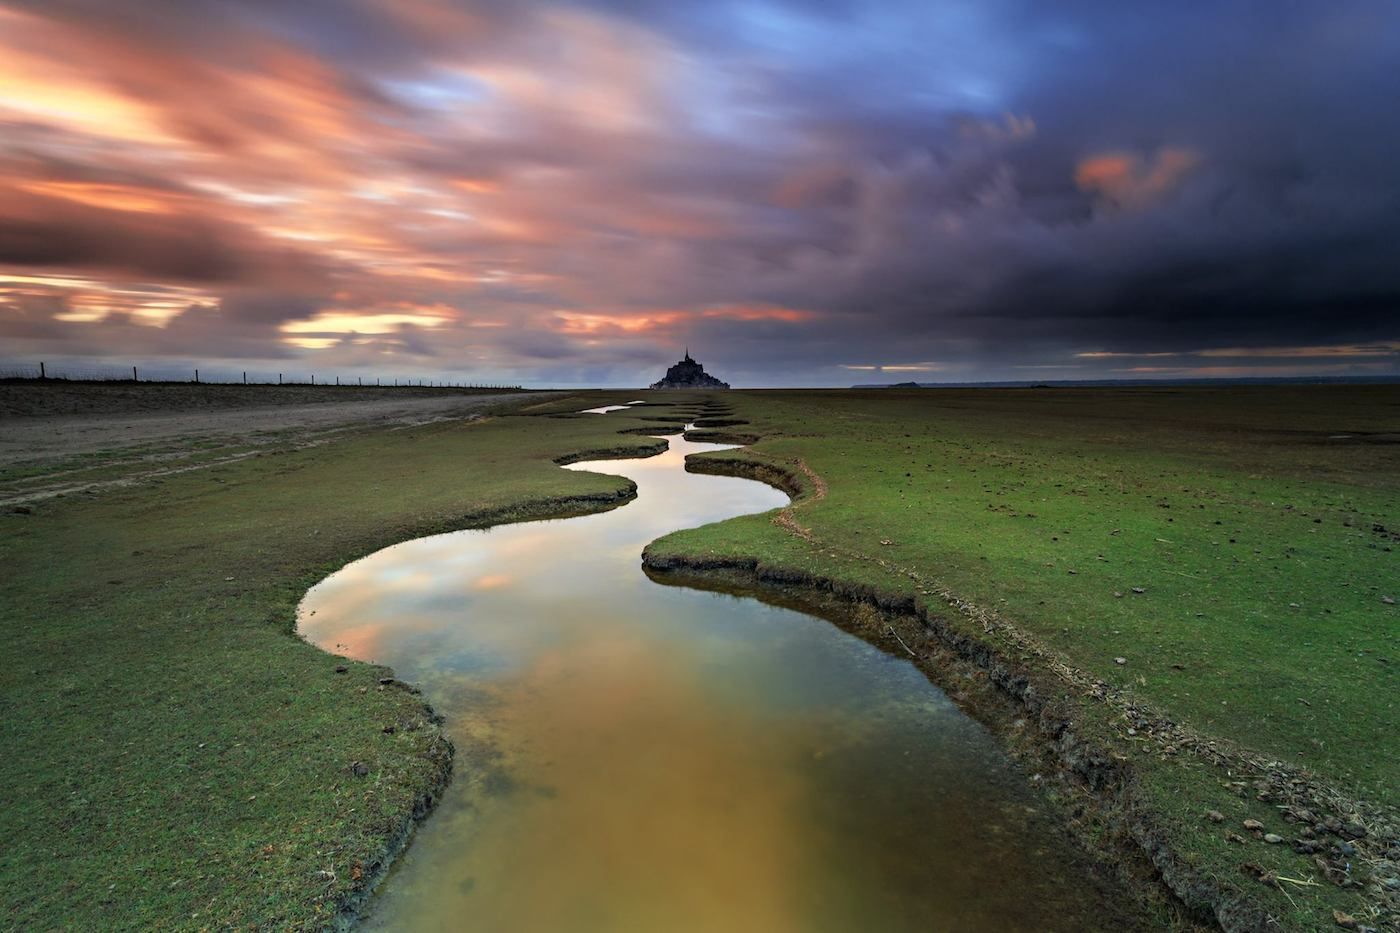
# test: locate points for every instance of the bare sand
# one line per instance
(55, 442)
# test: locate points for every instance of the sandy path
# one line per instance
(51, 438)
(154, 443)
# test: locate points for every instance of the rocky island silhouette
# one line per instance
(688, 374)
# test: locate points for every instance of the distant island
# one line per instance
(688, 374)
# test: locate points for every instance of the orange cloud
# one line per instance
(594, 323)
(348, 326)
(757, 313)
(578, 322)
(217, 152)
(111, 197)
(611, 72)
(475, 185)
(1128, 180)
(60, 90)
(85, 300)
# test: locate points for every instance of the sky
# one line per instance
(803, 193)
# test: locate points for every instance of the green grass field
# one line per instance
(1236, 548)
(175, 757)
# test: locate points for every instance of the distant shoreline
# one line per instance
(1391, 379)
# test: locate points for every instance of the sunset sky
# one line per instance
(805, 193)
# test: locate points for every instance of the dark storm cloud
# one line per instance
(968, 187)
(56, 233)
(1281, 225)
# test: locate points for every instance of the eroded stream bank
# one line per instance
(636, 756)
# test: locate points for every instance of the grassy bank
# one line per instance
(173, 755)
(1205, 564)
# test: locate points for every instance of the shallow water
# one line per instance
(638, 757)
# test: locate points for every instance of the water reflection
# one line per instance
(641, 757)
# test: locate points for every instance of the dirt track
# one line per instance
(41, 454)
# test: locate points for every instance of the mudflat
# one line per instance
(67, 437)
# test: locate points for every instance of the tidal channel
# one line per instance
(640, 757)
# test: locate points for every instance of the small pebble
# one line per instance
(1215, 816)
(1120, 660)
(1273, 839)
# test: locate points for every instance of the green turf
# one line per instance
(1262, 541)
(173, 755)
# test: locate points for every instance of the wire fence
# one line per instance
(171, 375)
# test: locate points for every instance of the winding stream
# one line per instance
(639, 757)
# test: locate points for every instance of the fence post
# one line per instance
(279, 379)
(42, 374)
(362, 379)
(134, 377)
(313, 378)
(245, 377)
(196, 376)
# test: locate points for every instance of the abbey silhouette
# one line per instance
(688, 374)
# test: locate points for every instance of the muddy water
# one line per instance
(637, 757)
